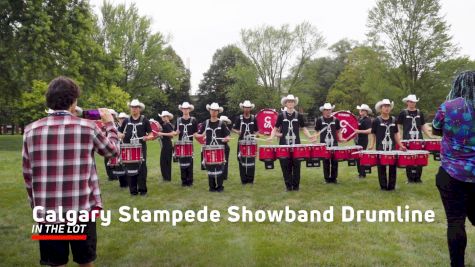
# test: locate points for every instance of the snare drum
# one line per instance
(319, 151)
(368, 158)
(416, 144)
(282, 151)
(131, 153)
(301, 152)
(406, 159)
(387, 158)
(248, 148)
(267, 153)
(340, 153)
(421, 157)
(214, 155)
(184, 149)
(432, 145)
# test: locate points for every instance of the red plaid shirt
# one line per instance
(58, 161)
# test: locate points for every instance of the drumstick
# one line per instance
(219, 138)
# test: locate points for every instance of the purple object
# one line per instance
(92, 114)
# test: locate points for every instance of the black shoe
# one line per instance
(220, 189)
(212, 189)
(288, 189)
(134, 194)
(143, 193)
(296, 189)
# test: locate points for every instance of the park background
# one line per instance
(116, 54)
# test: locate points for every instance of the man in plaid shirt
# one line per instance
(59, 167)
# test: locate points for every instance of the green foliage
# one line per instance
(111, 97)
(33, 102)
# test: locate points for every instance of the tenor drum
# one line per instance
(301, 152)
(387, 158)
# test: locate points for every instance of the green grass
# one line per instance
(243, 244)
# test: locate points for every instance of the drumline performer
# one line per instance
(109, 170)
(227, 149)
(385, 136)
(136, 129)
(216, 133)
(287, 129)
(166, 153)
(328, 127)
(246, 126)
(412, 123)
(186, 127)
(364, 123)
(120, 171)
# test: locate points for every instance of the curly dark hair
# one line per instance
(62, 92)
(464, 86)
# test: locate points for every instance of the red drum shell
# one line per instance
(421, 157)
(387, 158)
(319, 151)
(368, 158)
(433, 145)
(417, 144)
(267, 153)
(184, 149)
(282, 152)
(405, 159)
(340, 153)
(301, 152)
(131, 153)
(214, 155)
(354, 149)
(248, 149)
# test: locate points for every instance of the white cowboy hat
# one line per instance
(364, 107)
(122, 115)
(113, 112)
(166, 113)
(225, 119)
(327, 106)
(136, 103)
(246, 104)
(214, 106)
(186, 105)
(411, 98)
(289, 97)
(378, 105)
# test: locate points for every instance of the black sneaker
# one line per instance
(143, 193)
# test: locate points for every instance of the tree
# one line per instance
(152, 71)
(415, 36)
(217, 80)
(318, 76)
(275, 50)
(365, 79)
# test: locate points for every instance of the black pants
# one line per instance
(330, 170)
(414, 174)
(291, 171)
(384, 182)
(166, 161)
(226, 155)
(186, 170)
(247, 169)
(459, 203)
(110, 175)
(215, 177)
(138, 182)
(361, 169)
(123, 181)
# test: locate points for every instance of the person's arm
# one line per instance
(226, 133)
(438, 122)
(168, 131)
(372, 136)
(148, 130)
(398, 140)
(27, 171)
(276, 130)
(106, 145)
(237, 125)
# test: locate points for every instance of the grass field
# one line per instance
(243, 244)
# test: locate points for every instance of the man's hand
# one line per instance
(226, 139)
(106, 116)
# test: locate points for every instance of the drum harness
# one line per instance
(247, 136)
(414, 131)
(185, 136)
(329, 139)
(214, 142)
(134, 139)
(290, 136)
(387, 142)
